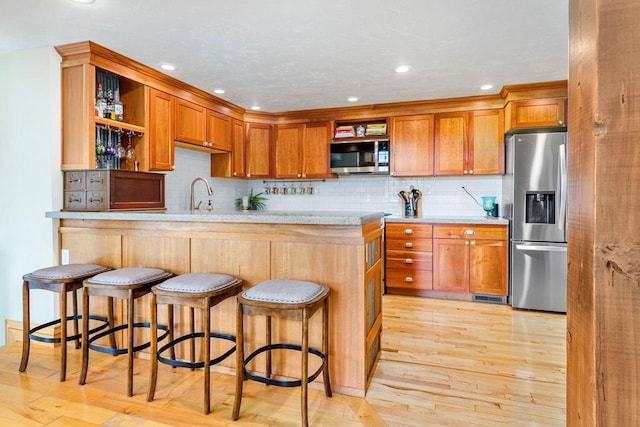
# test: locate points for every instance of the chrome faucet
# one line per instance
(209, 191)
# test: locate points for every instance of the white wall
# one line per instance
(30, 178)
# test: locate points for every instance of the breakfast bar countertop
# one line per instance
(255, 217)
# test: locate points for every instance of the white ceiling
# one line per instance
(287, 55)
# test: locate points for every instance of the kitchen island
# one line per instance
(341, 250)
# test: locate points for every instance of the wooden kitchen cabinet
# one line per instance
(238, 149)
(288, 151)
(412, 145)
(160, 130)
(258, 150)
(219, 129)
(485, 153)
(471, 259)
(534, 113)
(302, 150)
(409, 261)
(469, 143)
(190, 123)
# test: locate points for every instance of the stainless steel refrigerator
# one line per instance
(535, 202)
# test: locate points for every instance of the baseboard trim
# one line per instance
(13, 333)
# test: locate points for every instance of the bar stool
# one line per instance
(288, 299)
(194, 290)
(128, 284)
(60, 279)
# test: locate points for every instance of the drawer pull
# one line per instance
(408, 245)
(94, 180)
(408, 261)
(72, 181)
(75, 199)
(408, 279)
(97, 199)
(408, 231)
(469, 232)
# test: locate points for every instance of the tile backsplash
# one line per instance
(442, 196)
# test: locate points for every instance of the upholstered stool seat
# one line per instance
(288, 299)
(127, 284)
(60, 279)
(194, 290)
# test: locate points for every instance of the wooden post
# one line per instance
(603, 317)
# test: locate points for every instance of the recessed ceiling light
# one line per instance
(353, 99)
(83, 1)
(403, 68)
(219, 91)
(167, 66)
(255, 107)
(486, 87)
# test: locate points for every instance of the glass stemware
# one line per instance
(488, 203)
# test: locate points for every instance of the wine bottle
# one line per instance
(101, 102)
(118, 108)
(109, 110)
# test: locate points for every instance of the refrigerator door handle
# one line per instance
(542, 248)
(562, 184)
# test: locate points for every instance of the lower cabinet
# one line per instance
(408, 258)
(463, 259)
(470, 259)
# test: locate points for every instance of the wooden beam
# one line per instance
(603, 321)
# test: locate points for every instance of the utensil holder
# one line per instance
(410, 211)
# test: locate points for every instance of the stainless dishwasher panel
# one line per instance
(539, 276)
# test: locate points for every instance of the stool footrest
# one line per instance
(282, 383)
(118, 351)
(199, 364)
(33, 336)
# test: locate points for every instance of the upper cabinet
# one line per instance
(302, 150)
(238, 165)
(190, 123)
(485, 153)
(88, 138)
(160, 126)
(218, 131)
(412, 145)
(258, 150)
(536, 113)
(451, 143)
(469, 143)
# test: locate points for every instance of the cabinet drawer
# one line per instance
(408, 261)
(74, 181)
(412, 245)
(418, 279)
(97, 200)
(97, 180)
(470, 231)
(418, 231)
(74, 200)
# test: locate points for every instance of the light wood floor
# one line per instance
(443, 363)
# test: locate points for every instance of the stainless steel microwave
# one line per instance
(360, 157)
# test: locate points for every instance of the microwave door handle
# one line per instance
(562, 184)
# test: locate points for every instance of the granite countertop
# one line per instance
(256, 217)
(481, 220)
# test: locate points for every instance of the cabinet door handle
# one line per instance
(408, 245)
(408, 231)
(473, 242)
(466, 242)
(408, 261)
(408, 279)
(471, 171)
